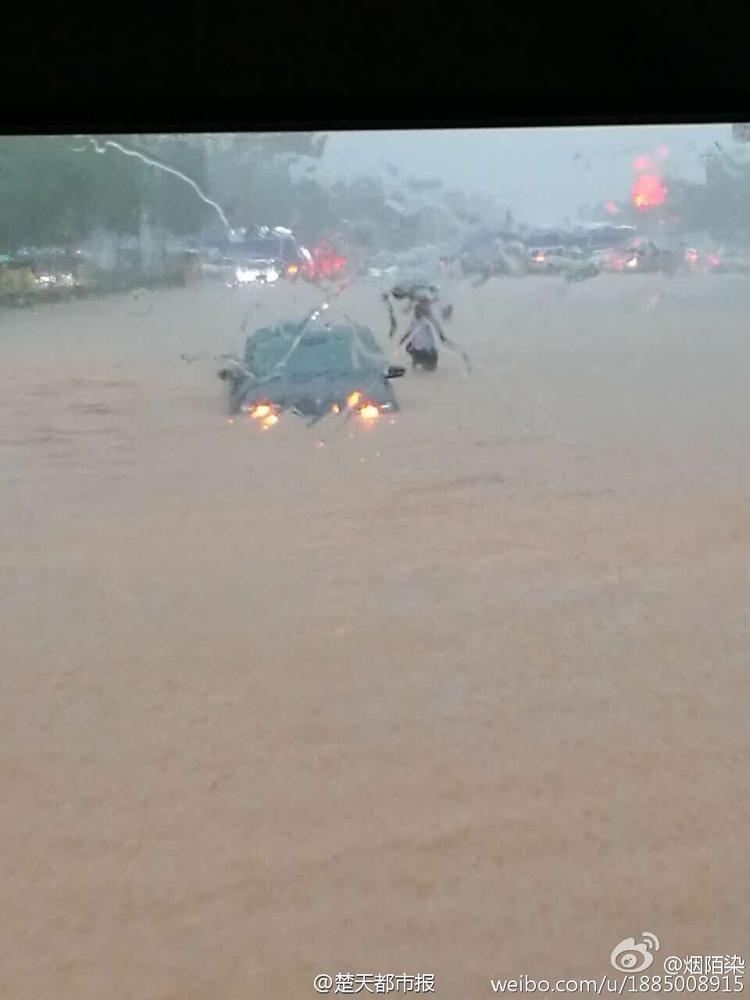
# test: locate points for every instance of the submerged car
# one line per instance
(311, 370)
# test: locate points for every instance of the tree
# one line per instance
(62, 190)
(55, 189)
(252, 173)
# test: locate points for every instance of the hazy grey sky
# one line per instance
(542, 174)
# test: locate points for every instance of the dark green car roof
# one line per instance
(334, 349)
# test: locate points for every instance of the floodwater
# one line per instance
(463, 694)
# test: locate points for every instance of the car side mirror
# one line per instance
(395, 371)
(233, 370)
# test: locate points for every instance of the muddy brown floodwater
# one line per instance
(463, 694)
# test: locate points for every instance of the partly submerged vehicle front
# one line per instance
(311, 370)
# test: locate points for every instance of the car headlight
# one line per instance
(267, 414)
(260, 410)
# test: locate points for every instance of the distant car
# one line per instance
(428, 260)
(419, 263)
(570, 263)
(728, 262)
(382, 265)
(269, 255)
(311, 371)
(490, 254)
(545, 259)
(692, 259)
(48, 274)
(609, 259)
(323, 262)
(580, 250)
(646, 257)
(260, 257)
(18, 285)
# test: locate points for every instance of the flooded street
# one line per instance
(463, 693)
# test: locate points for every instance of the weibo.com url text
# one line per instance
(627, 984)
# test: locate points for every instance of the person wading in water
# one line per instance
(421, 339)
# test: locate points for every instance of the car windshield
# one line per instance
(318, 353)
(263, 247)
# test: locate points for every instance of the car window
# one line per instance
(316, 354)
(263, 247)
(289, 250)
